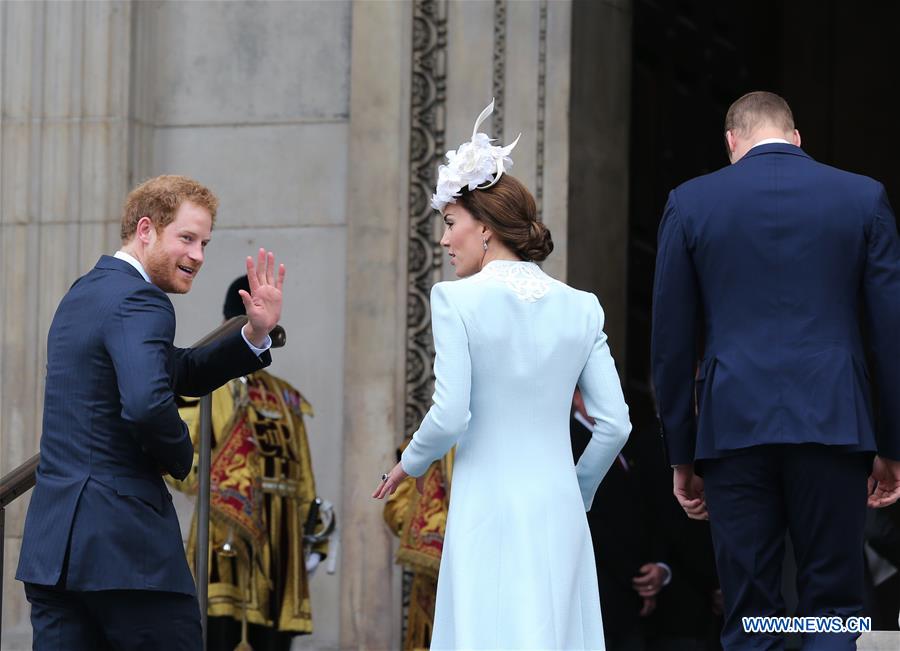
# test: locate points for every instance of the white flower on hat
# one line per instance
(476, 164)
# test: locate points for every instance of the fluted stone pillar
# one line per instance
(376, 307)
(599, 159)
(64, 72)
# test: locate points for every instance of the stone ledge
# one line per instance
(879, 641)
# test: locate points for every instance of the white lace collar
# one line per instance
(525, 279)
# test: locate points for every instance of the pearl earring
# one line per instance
(484, 244)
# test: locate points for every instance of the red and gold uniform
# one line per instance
(262, 488)
(419, 521)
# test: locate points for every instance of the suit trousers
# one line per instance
(113, 620)
(816, 493)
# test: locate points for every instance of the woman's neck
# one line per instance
(498, 253)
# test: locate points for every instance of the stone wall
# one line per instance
(64, 73)
(598, 182)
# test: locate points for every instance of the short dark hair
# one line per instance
(754, 109)
(234, 304)
(509, 210)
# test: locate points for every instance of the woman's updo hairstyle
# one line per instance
(508, 209)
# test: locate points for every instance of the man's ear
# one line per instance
(730, 141)
(796, 138)
(731, 145)
(144, 229)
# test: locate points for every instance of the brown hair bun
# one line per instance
(509, 211)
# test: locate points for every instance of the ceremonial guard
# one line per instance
(419, 520)
(268, 530)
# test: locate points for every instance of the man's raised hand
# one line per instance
(263, 302)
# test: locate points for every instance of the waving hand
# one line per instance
(263, 302)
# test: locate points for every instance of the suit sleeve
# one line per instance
(198, 371)
(674, 337)
(449, 416)
(605, 404)
(881, 289)
(139, 341)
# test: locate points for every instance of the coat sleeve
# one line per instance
(139, 341)
(881, 290)
(198, 371)
(605, 404)
(674, 337)
(449, 416)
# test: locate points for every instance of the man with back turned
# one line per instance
(102, 557)
(779, 264)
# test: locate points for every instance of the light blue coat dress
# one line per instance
(517, 570)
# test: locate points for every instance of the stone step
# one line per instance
(879, 641)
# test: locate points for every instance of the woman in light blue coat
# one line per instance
(511, 344)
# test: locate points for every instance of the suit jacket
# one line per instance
(100, 517)
(779, 264)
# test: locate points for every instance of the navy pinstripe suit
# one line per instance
(101, 518)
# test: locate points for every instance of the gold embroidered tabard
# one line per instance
(236, 497)
(261, 491)
(420, 522)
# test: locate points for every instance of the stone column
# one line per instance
(64, 73)
(599, 159)
(376, 305)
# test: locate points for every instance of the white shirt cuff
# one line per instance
(267, 344)
(668, 571)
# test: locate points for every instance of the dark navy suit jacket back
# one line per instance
(770, 270)
(100, 509)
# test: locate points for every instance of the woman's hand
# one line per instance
(392, 481)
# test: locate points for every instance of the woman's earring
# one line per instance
(484, 244)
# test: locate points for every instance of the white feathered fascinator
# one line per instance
(477, 164)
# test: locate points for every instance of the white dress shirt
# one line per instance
(769, 141)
